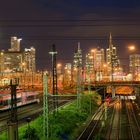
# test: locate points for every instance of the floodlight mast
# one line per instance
(54, 74)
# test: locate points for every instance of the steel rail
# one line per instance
(89, 130)
(135, 118)
(129, 121)
(111, 124)
(119, 124)
(34, 115)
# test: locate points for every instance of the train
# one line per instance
(23, 98)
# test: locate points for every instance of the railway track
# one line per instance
(134, 127)
(121, 124)
(89, 132)
(113, 126)
(97, 124)
(32, 112)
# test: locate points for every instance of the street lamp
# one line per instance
(23, 64)
(89, 73)
(1, 65)
(93, 54)
(105, 72)
(93, 50)
(59, 68)
(132, 48)
(59, 75)
(59, 65)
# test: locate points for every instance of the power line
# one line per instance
(68, 22)
(67, 25)
(71, 20)
(73, 37)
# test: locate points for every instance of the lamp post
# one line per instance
(59, 66)
(59, 74)
(93, 53)
(24, 72)
(88, 65)
(132, 48)
(104, 72)
(53, 53)
(112, 69)
(32, 79)
(89, 73)
(1, 65)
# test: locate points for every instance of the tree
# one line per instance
(31, 134)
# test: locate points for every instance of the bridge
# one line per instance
(114, 83)
(115, 87)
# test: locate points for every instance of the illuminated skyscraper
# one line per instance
(11, 61)
(99, 59)
(67, 74)
(77, 57)
(77, 63)
(29, 59)
(134, 65)
(15, 44)
(94, 63)
(15, 60)
(111, 56)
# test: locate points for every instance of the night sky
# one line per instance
(41, 23)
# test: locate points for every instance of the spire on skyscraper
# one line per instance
(78, 46)
(110, 41)
(78, 56)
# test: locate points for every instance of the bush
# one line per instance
(30, 134)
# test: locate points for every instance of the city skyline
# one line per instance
(107, 54)
(69, 69)
(42, 23)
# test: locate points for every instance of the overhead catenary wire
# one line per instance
(68, 22)
(74, 23)
(74, 37)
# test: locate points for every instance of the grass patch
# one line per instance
(67, 122)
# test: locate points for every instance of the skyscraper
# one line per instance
(95, 60)
(29, 59)
(77, 57)
(15, 44)
(11, 61)
(111, 57)
(15, 60)
(77, 63)
(68, 74)
(134, 66)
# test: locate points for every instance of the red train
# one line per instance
(23, 98)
